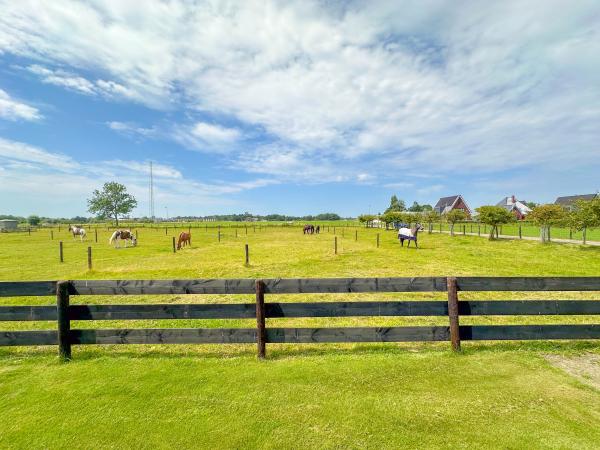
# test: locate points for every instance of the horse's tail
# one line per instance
(113, 237)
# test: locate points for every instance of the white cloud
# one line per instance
(11, 151)
(131, 129)
(347, 87)
(51, 182)
(158, 170)
(80, 84)
(12, 109)
(205, 137)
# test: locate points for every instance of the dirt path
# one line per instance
(524, 238)
(586, 368)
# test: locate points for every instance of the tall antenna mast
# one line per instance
(151, 193)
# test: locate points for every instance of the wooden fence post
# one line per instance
(219, 236)
(464, 230)
(96, 234)
(247, 251)
(60, 251)
(174, 248)
(52, 235)
(165, 231)
(136, 234)
(89, 254)
(355, 235)
(29, 230)
(236, 232)
(377, 240)
(520, 232)
(335, 245)
(261, 332)
(570, 233)
(64, 324)
(453, 313)
(584, 235)
(440, 227)
(549, 239)
(479, 229)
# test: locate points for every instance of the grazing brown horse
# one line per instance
(184, 239)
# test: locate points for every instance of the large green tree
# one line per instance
(494, 216)
(585, 214)
(34, 220)
(112, 201)
(453, 216)
(546, 215)
(396, 205)
(431, 217)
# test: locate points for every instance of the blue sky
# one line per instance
(296, 107)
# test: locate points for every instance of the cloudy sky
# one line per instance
(297, 107)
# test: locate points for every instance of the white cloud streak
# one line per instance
(11, 109)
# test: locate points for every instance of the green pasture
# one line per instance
(492, 395)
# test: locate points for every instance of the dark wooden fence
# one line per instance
(63, 313)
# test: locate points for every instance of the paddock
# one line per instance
(219, 395)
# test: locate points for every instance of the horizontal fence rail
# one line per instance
(299, 285)
(63, 313)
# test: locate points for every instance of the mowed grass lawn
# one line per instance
(493, 395)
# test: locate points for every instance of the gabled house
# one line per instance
(517, 207)
(447, 204)
(569, 201)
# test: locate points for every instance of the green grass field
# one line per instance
(493, 395)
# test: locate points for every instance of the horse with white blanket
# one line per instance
(409, 234)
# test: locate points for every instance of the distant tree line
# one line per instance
(245, 217)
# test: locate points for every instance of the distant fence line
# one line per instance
(63, 313)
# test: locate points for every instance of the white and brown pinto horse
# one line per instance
(409, 234)
(123, 235)
(77, 231)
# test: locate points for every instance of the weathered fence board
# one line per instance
(165, 336)
(247, 286)
(297, 286)
(357, 334)
(294, 310)
(528, 307)
(27, 313)
(13, 338)
(528, 332)
(169, 311)
(528, 283)
(141, 287)
(27, 288)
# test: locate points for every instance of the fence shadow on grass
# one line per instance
(280, 352)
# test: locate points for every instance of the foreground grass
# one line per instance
(375, 397)
(495, 395)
